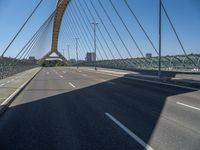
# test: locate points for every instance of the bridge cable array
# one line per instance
(81, 15)
(32, 13)
(113, 48)
(20, 62)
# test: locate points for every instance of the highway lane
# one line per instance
(155, 98)
(67, 109)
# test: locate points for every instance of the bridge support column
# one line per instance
(48, 55)
(61, 7)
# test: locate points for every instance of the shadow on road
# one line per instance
(77, 120)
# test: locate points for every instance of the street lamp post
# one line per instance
(95, 44)
(68, 52)
(63, 52)
(160, 38)
(77, 52)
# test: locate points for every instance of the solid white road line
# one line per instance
(114, 72)
(107, 74)
(85, 75)
(72, 85)
(2, 84)
(189, 106)
(13, 94)
(129, 132)
(146, 80)
(158, 82)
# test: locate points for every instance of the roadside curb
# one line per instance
(155, 80)
(4, 105)
(163, 82)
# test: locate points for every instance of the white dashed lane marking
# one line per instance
(186, 105)
(2, 84)
(71, 84)
(129, 132)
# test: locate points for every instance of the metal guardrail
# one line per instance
(168, 63)
(8, 68)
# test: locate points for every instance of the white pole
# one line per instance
(77, 52)
(95, 44)
(160, 38)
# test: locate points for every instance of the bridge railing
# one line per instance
(169, 63)
(10, 66)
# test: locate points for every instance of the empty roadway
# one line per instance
(63, 109)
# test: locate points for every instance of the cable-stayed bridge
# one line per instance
(101, 74)
(109, 52)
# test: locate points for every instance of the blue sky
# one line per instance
(185, 15)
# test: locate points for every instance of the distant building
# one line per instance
(73, 60)
(32, 58)
(148, 55)
(90, 57)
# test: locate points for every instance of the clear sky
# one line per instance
(185, 15)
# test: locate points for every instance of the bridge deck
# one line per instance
(64, 108)
(9, 85)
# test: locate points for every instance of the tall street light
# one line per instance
(68, 52)
(77, 52)
(95, 44)
(160, 39)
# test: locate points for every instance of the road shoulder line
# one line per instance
(4, 105)
(146, 80)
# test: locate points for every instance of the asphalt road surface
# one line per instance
(66, 109)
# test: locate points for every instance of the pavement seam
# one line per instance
(4, 105)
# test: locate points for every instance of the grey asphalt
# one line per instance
(10, 84)
(64, 109)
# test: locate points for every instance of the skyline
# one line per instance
(180, 14)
